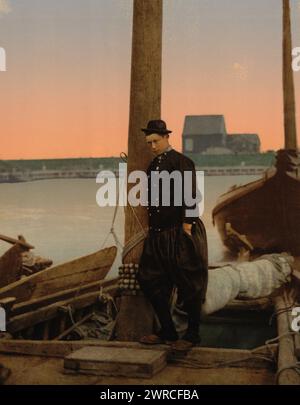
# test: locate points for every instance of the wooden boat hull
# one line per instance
(73, 274)
(267, 211)
(11, 265)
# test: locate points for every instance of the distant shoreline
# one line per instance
(92, 174)
(17, 171)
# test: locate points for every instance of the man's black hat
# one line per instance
(156, 127)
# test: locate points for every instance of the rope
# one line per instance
(112, 230)
(295, 366)
(281, 311)
(124, 157)
(133, 242)
(106, 298)
(226, 363)
(196, 364)
(129, 246)
(137, 238)
(277, 338)
(268, 347)
(137, 218)
(71, 317)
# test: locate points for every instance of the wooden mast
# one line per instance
(290, 134)
(135, 317)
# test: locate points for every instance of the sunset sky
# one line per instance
(66, 89)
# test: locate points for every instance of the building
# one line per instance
(206, 134)
(243, 143)
(202, 132)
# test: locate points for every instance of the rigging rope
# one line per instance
(226, 363)
(282, 311)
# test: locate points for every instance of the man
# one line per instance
(175, 250)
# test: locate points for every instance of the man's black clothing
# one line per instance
(165, 217)
(171, 257)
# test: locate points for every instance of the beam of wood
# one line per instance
(136, 317)
(36, 303)
(290, 131)
(202, 355)
(286, 354)
(259, 304)
(13, 241)
(29, 319)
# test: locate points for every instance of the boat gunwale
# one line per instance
(4, 290)
(242, 190)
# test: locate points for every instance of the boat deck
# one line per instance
(40, 362)
(38, 370)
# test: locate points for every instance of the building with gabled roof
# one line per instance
(206, 134)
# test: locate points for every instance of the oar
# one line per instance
(13, 241)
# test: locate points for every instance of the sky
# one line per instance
(66, 89)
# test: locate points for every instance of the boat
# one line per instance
(53, 280)
(59, 292)
(267, 211)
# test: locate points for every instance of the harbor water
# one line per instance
(63, 221)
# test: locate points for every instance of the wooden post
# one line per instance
(135, 317)
(290, 132)
(287, 375)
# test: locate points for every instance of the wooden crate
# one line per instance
(116, 361)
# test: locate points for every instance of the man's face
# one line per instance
(157, 143)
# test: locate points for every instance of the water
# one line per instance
(62, 220)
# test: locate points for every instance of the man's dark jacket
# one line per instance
(163, 217)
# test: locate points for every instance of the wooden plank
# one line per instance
(202, 355)
(123, 362)
(286, 374)
(26, 320)
(56, 348)
(64, 276)
(71, 280)
(7, 303)
(259, 304)
(36, 303)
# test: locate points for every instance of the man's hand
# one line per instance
(187, 228)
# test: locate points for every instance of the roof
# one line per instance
(244, 136)
(204, 125)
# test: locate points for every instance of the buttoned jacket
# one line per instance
(165, 208)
